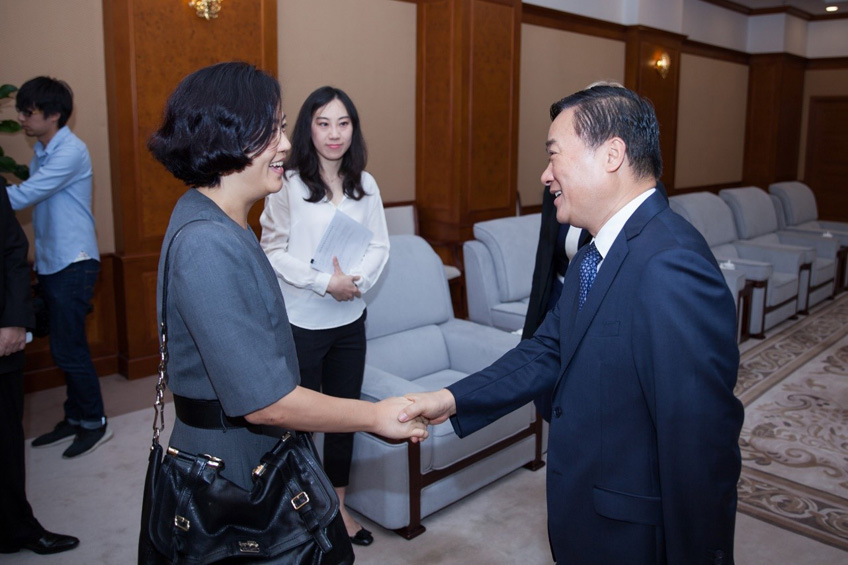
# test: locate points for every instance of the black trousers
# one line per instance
(332, 361)
(17, 524)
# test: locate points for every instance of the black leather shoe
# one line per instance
(51, 543)
(362, 537)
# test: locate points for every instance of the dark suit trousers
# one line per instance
(17, 524)
(332, 361)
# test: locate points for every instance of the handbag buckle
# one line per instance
(300, 500)
(182, 523)
(249, 546)
(258, 471)
(213, 461)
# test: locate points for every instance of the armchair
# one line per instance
(756, 222)
(499, 270)
(800, 213)
(772, 271)
(416, 344)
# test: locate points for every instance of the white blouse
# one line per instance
(291, 231)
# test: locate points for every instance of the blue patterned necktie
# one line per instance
(588, 270)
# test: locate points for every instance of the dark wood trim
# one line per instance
(400, 202)
(714, 52)
(714, 188)
(790, 10)
(732, 6)
(824, 17)
(52, 377)
(532, 209)
(547, 17)
(827, 63)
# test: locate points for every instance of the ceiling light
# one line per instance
(831, 8)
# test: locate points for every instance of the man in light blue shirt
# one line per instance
(66, 256)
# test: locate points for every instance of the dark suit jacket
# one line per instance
(643, 458)
(15, 290)
(544, 273)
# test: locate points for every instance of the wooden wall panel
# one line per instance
(150, 46)
(467, 128)
(41, 372)
(826, 171)
(644, 45)
(494, 80)
(435, 117)
(773, 125)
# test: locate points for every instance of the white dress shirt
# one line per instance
(291, 231)
(609, 231)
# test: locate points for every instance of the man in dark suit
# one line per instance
(18, 527)
(639, 356)
(558, 243)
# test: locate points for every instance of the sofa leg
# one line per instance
(409, 532)
(537, 463)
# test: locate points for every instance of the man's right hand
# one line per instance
(435, 407)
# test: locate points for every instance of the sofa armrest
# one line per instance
(784, 258)
(825, 247)
(472, 347)
(758, 271)
(379, 384)
(481, 284)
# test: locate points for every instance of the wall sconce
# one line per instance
(206, 8)
(662, 64)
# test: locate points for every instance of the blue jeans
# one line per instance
(68, 295)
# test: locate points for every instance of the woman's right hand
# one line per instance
(342, 287)
(388, 425)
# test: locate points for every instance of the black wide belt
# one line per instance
(205, 414)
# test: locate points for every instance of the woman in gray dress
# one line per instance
(229, 341)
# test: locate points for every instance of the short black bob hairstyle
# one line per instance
(605, 111)
(217, 121)
(50, 95)
(303, 157)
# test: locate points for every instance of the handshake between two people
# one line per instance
(407, 417)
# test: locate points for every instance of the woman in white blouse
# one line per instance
(325, 176)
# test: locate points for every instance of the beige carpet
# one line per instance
(98, 497)
(795, 438)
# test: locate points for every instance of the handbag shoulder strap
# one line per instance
(161, 383)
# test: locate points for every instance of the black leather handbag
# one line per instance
(193, 515)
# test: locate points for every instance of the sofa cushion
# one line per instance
(709, 214)
(512, 242)
(508, 315)
(752, 209)
(799, 202)
(407, 302)
(410, 354)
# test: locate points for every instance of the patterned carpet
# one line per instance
(794, 442)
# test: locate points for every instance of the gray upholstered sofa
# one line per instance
(797, 204)
(416, 344)
(499, 270)
(757, 222)
(773, 270)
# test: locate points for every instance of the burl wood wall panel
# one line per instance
(644, 46)
(773, 124)
(467, 116)
(150, 46)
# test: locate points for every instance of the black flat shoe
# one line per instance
(362, 537)
(51, 543)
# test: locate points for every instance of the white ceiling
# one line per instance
(812, 7)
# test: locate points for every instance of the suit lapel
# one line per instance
(574, 324)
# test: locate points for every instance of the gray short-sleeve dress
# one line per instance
(228, 334)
